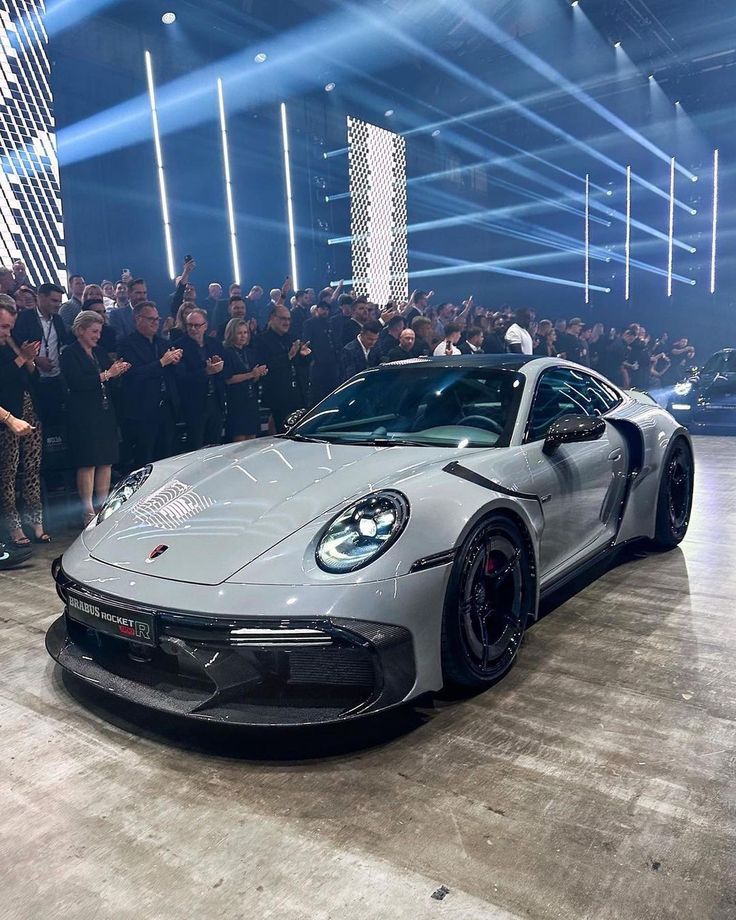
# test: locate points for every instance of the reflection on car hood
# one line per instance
(227, 506)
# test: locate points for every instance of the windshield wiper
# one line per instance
(399, 442)
(303, 438)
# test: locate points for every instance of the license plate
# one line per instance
(134, 626)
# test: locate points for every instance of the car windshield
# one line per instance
(722, 363)
(419, 404)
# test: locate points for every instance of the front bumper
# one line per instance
(277, 671)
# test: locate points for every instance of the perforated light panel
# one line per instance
(378, 214)
(30, 194)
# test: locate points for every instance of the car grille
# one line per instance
(251, 671)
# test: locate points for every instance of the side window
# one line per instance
(563, 392)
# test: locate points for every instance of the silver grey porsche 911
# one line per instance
(398, 538)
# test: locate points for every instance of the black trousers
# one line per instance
(51, 402)
(149, 439)
(205, 427)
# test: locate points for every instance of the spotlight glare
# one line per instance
(609, 193)
(617, 44)
(693, 211)
(436, 132)
(651, 76)
(329, 87)
(575, 3)
(677, 102)
(388, 113)
(694, 178)
(168, 19)
(261, 57)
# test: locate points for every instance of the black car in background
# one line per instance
(707, 398)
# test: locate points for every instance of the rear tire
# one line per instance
(490, 597)
(675, 499)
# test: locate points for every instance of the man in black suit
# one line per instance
(284, 389)
(472, 344)
(201, 384)
(44, 325)
(150, 396)
(300, 313)
(356, 355)
(389, 339)
(323, 376)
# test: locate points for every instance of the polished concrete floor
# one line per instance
(596, 781)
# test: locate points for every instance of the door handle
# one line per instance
(615, 455)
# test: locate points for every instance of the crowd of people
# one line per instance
(125, 381)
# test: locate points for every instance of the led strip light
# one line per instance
(289, 198)
(160, 167)
(228, 184)
(714, 242)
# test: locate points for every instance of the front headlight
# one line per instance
(360, 533)
(682, 389)
(124, 490)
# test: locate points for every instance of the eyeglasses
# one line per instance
(151, 319)
(196, 325)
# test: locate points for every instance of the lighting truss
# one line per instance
(31, 227)
(228, 184)
(378, 212)
(289, 197)
(160, 167)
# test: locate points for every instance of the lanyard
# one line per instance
(105, 401)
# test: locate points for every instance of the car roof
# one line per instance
(508, 362)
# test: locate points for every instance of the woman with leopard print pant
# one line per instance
(16, 387)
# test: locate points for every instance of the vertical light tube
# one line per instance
(587, 239)
(289, 199)
(714, 241)
(671, 236)
(160, 167)
(628, 233)
(228, 184)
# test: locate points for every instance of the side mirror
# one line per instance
(295, 418)
(571, 429)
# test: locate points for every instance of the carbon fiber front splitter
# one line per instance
(258, 673)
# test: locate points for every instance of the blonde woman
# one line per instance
(241, 373)
(91, 423)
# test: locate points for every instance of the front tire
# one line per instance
(490, 597)
(675, 499)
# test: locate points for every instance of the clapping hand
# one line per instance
(215, 364)
(29, 351)
(260, 370)
(294, 349)
(304, 350)
(172, 356)
(118, 368)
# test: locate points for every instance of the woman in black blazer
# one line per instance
(241, 373)
(91, 423)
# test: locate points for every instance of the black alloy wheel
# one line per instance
(490, 598)
(675, 499)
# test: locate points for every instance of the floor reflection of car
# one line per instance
(399, 537)
(708, 397)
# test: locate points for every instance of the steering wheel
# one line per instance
(481, 421)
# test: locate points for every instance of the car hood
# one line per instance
(227, 506)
